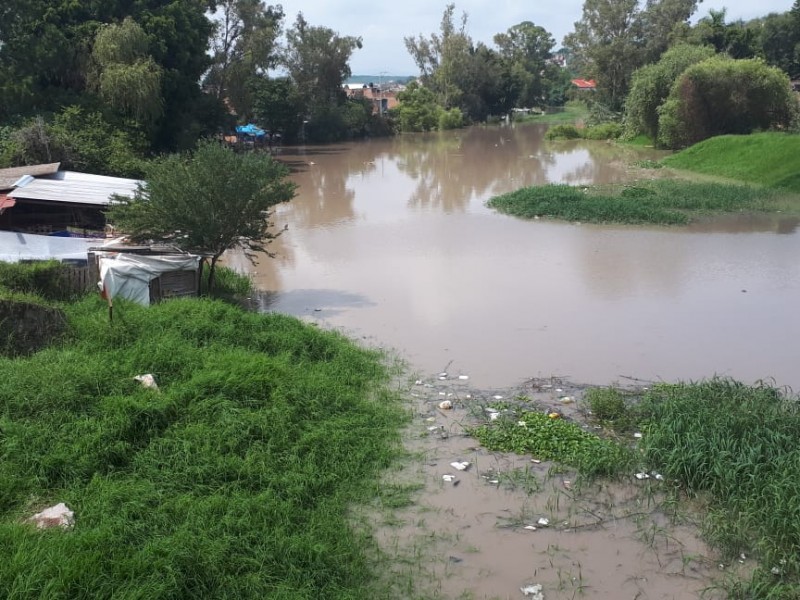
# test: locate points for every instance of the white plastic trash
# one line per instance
(445, 405)
(55, 516)
(535, 591)
(449, 478)
(460, 466)
(147, 380)
(543, 522)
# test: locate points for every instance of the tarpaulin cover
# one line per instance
(30, 246)
(129, 275)
(250, 129)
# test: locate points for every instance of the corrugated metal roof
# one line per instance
(76, 188)
(8, 177)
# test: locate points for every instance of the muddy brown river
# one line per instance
(390, 240)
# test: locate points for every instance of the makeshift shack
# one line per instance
(145, 274)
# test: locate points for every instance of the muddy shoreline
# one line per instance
(509, 523)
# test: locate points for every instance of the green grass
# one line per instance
(553, 439)
(232, 481)
(572, 113)
(768, 159)
(739, 448)
(663, 202)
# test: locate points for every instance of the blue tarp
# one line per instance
(250, 129)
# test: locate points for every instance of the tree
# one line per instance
(651, 85)
(444, 58)
(318, 61)
(276, 105)
(207, 202)
(244, 47)
(616, 37)
(608, 38)
(127, 77)
(725, 96)
(525, 48)
(45, 58)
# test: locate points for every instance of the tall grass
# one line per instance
(231, 481)
(574, 111)
(770, 159)
(664, 202)
(739, 448)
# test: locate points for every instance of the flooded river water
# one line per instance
(390, 240)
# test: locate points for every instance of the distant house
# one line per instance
(52, 202)
(585, 84)
(382, 98)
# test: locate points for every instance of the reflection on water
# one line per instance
(391, 239)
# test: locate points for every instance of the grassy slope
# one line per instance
(769, 159)
(233, 481)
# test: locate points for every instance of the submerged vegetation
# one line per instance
(232, 480)
(731, 448)
(665, 202)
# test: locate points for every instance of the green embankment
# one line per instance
(231, 481)
(770, 159)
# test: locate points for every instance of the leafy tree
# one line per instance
(734, 39)
(444, 58)
(616, 37)
(207, 202)
(244, 47)
(608, 37)
(652, 84)
(725, 96)
(779, 40)
(127, 77)
(525, 48)
(45, 58)
(79, 140)
(317, 59)
(277, 105)
(418, 109)
(662, 21)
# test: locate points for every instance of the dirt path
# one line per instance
(482, 534)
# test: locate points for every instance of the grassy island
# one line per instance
(761, 172)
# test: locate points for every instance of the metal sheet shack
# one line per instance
(65, 203)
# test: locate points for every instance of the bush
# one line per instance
(721, 96)
(605, 131)
(451, 119)
(563, 132)
(651, 85)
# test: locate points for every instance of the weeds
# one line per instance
(665, 202)
(232, 481)
(553, 439)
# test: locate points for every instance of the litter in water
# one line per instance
(445, 405)
(460, 466)
(535, 591)
(543, 522)
(463, 377)
(449, 478)
(641, 476)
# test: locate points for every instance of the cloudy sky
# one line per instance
(382, 25)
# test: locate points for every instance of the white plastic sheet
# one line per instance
(128, 276)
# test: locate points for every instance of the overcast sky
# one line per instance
(382, 25)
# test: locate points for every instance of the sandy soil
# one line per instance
(479, 535)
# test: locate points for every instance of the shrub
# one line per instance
(651, 85)
(720, 96)
(604, 131)
(563, 132)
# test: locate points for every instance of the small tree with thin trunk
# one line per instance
(206, 202)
